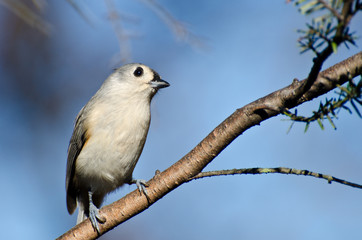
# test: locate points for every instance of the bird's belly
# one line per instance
(104, 167)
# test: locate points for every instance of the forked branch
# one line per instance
(199, 157)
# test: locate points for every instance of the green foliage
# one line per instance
(322, 29)
(327, 29)
(308, 7)
(351, 93)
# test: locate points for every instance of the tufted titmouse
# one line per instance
(109, 134)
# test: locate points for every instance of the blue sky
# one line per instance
(250, 50)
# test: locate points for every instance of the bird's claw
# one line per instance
(141, 185)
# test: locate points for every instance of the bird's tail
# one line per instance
(81, 215)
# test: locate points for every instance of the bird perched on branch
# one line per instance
(108, 137)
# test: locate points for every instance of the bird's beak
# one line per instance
(159, 83)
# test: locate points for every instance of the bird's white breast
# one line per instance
(117, 133)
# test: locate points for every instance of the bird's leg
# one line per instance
(94, 216)
(141, 185)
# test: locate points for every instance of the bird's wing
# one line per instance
(77, 141)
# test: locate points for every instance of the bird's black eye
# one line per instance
(138, 72)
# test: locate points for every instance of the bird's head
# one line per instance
(136, 79)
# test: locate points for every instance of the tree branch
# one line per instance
(338, 38)
(281, 170)
(199, 157)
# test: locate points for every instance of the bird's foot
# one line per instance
(94, 215)
(141, 185)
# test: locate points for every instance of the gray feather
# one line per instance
(76, 144)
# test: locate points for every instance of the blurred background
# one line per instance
(229, 54)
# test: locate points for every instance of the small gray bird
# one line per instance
(109, 134)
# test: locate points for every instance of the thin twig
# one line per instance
(281, 170)
(83, 11)
(122, 37)
(28, 16)
(178, 28)
(331, 9)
